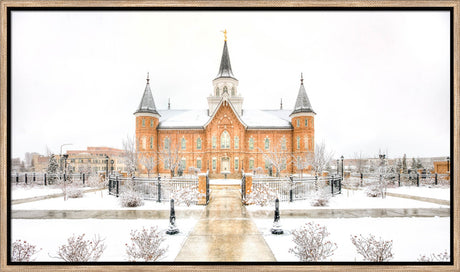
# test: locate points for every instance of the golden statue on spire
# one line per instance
(225, 33)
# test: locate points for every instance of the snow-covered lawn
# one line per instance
(411, 236)
(225, 181)
(433, 192)
(21, 192)
(99, 200)
(50, 234)
(354, 199)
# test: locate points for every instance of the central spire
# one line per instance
(225, 69)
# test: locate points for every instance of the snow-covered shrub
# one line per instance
(441, 257)
(374, 190)
(185, 195)
(131, 198)
(320, 199)
(262, 195)
(146, 245)
(311, 243)
(74, 192)
(78, 249)
(22, 251)
(373, 250)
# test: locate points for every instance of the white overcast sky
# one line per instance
(377, 80)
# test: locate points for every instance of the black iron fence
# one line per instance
(32, 178)
(410, 179)
(158, 189)
(296, 188)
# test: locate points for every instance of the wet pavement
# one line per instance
(225, 232)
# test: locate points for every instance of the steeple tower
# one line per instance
(302, 104)
(225, 83)
(147, 104)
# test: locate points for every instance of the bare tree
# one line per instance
(319, 160)
(311, 242)
(276, 158)
(373, 250)
(171, 158)
(301, 162)
(130, 155)
(149, 162)
(359, 161)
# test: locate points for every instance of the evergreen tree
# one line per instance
(52, 170)
(404, 164)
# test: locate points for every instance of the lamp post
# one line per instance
(111, 161)
(65, 174)
(341, 158)
(106, 166)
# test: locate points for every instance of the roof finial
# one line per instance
(281, 104)
(225, 33)
(301, 78)
(148, 79)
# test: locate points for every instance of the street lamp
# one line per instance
(112, 166)
(65, 174)
(342, 165)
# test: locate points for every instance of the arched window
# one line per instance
(217, 92)
(283, 143)
(251, 143)
(225, 90)
(225, 140)
(298, 142)
(151, 142)
(167, 143)
(251, 163)
(267, 143)
(198, 144)
(182, 144)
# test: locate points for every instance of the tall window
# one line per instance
(283, 164)
(267, 143)
(217, 92)
(233, 91)
(267, 164)
(151, 142)
(225, 140)
(298, 142)
(237, 142)
(251, 163)
(225, 90)
(167, 143)
(306, 122)
(214, 142)
(182, 143)
(198, 163)
(251, 143)
(198, 143)
(151, 122)
(143, 122)
(166, 164)
(237, 162)
(298, 122)
(214, 163)
(283, 143)
(183, 163)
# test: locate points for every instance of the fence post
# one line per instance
(291, 179)
(435, 178)
(17, 178)
(83, 176)
(276, 229)
(159, 189)
(340, 185)
(399, 179)
(361, 179)
(243, 188)
(25, 178)
(418, 180)
(34, 177)
(117, 183)
(331, 181)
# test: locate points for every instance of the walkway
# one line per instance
(225, 232)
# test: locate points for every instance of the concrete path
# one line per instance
(225, 232)
(44, 197)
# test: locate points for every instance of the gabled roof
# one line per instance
(147, 104)
(302, 104)
(225, 69)
(224, 99)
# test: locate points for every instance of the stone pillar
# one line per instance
(248, 183)
(202, 189)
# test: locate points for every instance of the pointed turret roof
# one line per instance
(302, 103)
(225, 69)
(147, 104)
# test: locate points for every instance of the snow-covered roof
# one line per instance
(147, 104)
(254, 119)
(302, 103)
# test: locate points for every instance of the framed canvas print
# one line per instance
(154, 135)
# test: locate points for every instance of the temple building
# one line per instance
(225, 138)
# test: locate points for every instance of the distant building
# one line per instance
(225, 138)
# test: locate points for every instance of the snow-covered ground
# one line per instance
(354, 199)
(50, 234)
(411, 237)
(99, 200)
(225, 181)
(21, 192)
(433, 192)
